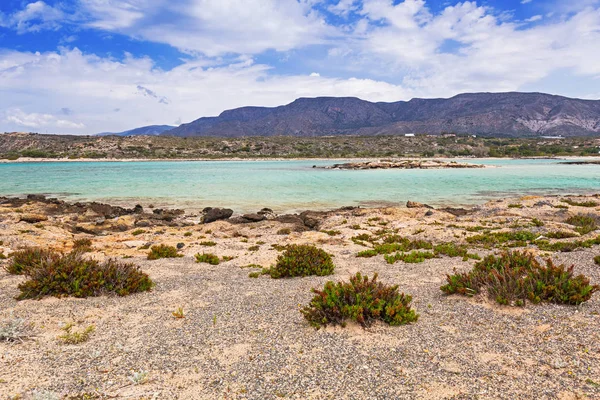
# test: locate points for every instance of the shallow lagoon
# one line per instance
(290, 185)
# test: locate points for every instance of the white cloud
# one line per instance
(34, 17)
(38, 121)
(526, 1)
(534, 18)
(91, 88)
(213, 27)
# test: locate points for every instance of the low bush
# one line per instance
(597, 260)
(571, 202)
(83, 245)
(560, 235)
(284, 231)
(331, 232)
(509, 239)
(76, 337)
(163, 251)
(567, 246)
(413, 257)
(515, 277)
(30, 257)
(454, 250)
(302, 260)
(208, 258)
(138, 232)
(73, 275)
(584, 223)
(208, 243)
(361, 300)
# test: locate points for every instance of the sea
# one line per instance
(291, 185)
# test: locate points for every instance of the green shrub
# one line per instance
(30, 257)
(413, 257)
(597, 260)
(83, 245)
(515, 206)
(560, 235)
(207, 258)
(584, 223)
(73, 275)
(567, 246)
(254, 248)
(510, 239)
(138, 232)
(537, 222)
(188, 234)
(516, 277)
(208, 243)
(284, 231)
(331, 232)
(163, 251)
(302, 260)
(572, 202)
(361, 300)
(454, 250)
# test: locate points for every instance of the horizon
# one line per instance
(89, 66)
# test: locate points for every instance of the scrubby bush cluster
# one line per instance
(361, 300)
(54, 274)
(163, 251)
(584, 223)
(83, 245)
(515, 277)
(209, 258)
(301, 260)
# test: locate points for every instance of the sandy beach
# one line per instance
(245, 338)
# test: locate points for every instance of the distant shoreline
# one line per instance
(59, 160)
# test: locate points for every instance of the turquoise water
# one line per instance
(289, 185)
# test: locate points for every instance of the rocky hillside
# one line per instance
(488, 114)
(151, 130)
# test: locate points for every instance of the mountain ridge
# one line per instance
(150, 130)
(488, 114)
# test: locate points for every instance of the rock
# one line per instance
(312, 219)
(180, 246)
(138, 209)
(414, 204)
(542, 204)
(254, 217)
(33, 218)
(100, 221)
(134, 244)
(87, 228)
(429, 213)
(457, 212)
(36, 197)
(216, 214)
(142, 223)
(206, 209)
(157, 211)
(265, 211)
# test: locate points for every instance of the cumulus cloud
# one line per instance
(34, 17)
(38, 121)
(100, 86)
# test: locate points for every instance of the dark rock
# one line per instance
(36, 197)
(265, 211)
(180, 246)
(142, 223)
(138, 209)
(312, 219)
(429, 213)
(542, 204)
(289, 219)
(457, 212)
(254, 217)
(206, 209)
(414, 204)
(216, 214)
(157, 211)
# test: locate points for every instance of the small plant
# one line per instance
(227, 258)
(584, 223)
(208, 243)
(284, 231)
(331, 232)
(15, 330)
(138, 232)
(361, 300)
(207, 258)
(73, 275)
(560, 235)
(537, 222)
(30, 257)
(83, 245)
(139, 378)
(509, 239)
(74, 337)
(187, 234)
(571, 202)
(252, 266)
(597, 260)
(178, 314)
(254, 274)
(254, 248)
(413, 257)
(515, 206)
(163, 251)
(515, 277)
(302, 260)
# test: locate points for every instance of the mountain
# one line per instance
(152, 130)
(487, 114)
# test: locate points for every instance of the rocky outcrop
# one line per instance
(414, 204)
(216, 214)
(403, 164)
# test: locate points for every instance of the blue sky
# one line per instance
(87, 66)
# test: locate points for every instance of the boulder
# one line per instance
(216, 214)
(138, 209)
(254, 217)
(36, 197)
(312, 219)
(142, 223)
(429, 213)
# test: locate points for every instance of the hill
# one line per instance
(151, 130)
(488, 114)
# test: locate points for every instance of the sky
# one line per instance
(89, 66)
